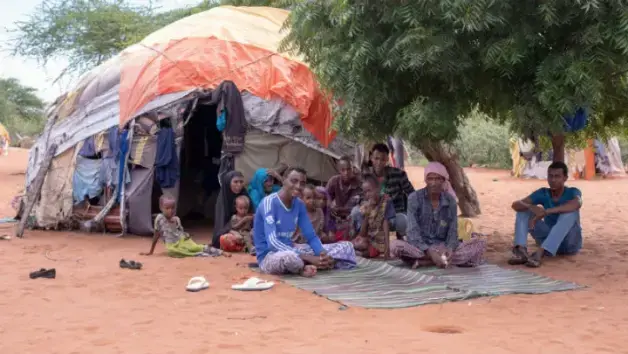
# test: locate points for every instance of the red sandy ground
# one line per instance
(95, 307)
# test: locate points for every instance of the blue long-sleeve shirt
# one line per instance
(274, 225)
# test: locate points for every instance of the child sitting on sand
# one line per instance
(372, 227)
(313, 212)
(239, 237)
(323, 203)
(178, 242)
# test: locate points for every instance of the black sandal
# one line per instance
(534, 261)
(44, 273)
(130, 264)
(519, 256)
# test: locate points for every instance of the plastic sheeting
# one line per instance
(139, 199)
(225, 43)
(268, 150)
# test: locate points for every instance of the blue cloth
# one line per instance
(89, 147)
(576, 122)
(256, 187)
(221, 122)
(112, 138)
(543, 196)
(166, 161)
(279, 224)
(86, 180)
(564, 237)
(122, 151)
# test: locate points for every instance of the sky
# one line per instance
(29, 72)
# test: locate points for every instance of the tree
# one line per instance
(418, 68)
(20, 108)
(88, 32)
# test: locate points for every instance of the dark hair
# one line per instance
(310, 187)
(381, 148)
(558, 165)
(291, 169)
(345, 158)
(369, 177)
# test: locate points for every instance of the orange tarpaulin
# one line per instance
(225, 43)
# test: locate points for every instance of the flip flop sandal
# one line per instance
(253, 284)
(197, 284)
(519, 257)
(253, 265)
(44, 273)
(130, 264)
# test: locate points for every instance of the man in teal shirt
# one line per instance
(552, 216)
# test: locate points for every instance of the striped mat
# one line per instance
(376, 284)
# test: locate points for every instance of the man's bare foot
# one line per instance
(308, 271)
(416, 264)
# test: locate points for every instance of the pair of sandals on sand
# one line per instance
(520, 257)
(252, 284)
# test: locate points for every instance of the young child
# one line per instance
(314, 213)
(178, 242)
(372, 227)
(323, 202)
(239, 237)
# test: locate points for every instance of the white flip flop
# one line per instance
(197, 284)
(253, 284)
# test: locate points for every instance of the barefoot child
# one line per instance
(373, 224)
(178, 242)
(239, 237)
(313, 212)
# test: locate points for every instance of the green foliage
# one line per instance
(88, 32)
(271, 3)
(484, 143)
(417, 68)
(20, 108)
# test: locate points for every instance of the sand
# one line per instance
(95, 307)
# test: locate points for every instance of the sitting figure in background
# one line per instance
(371, 226)
(239, 238)
(433, 227)
(323, 202)
(552, 216)
(178, 242)
(313, 212)
(264, 182)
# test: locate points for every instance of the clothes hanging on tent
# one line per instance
(166, 161)
(86, 180)
(89, 147)
(227, 97)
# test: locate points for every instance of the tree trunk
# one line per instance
(467, 198)
(32, 195)
(558, 147)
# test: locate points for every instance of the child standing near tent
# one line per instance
(372, 225)
(239, 237)
(314, 213)
(178, 242)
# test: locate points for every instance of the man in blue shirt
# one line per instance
(552, 216)
(276, 220)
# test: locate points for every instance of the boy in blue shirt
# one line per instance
(276, 220)
(552, 216)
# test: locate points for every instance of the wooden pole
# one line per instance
(35, 191)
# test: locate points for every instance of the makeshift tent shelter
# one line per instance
(597, 158)
(5, 140)
(214, 88)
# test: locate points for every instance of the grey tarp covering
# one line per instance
(139, 199)
(96, 116)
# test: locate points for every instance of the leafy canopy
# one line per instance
(416, 68)
(88, 32)
(20, 108)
